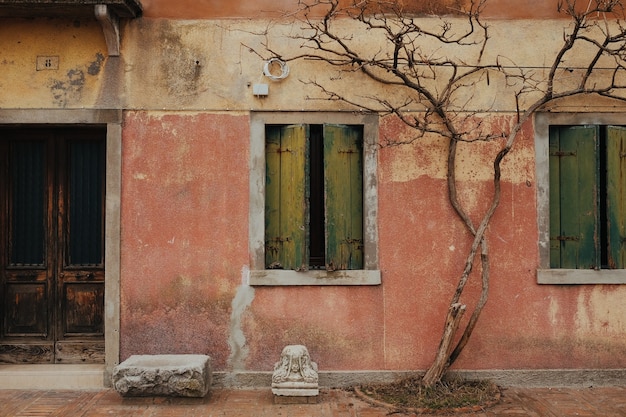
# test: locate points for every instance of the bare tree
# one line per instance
(432, 67)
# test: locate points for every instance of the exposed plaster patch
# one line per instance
(601, 310)
(553, 310)
(427, 156)
(431, 157)
(237, 339)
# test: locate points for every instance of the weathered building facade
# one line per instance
(135, 181)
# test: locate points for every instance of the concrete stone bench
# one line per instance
(163, 375)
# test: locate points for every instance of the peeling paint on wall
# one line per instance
(474, 160)
(68, 90)
(96, 66)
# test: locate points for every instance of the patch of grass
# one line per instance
(447, 394)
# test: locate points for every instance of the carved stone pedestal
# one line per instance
(295, 379)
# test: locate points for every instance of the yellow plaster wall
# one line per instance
(213, 65)
(81, 51)
(201, 65)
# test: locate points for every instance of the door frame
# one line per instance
(112, 120)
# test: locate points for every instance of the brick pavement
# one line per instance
(516, 402)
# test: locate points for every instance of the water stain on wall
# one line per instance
(181, 65)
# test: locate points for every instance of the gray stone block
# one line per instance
(163, 375)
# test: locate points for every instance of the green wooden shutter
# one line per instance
(555, 200)
(574, 201)
(286, 197)
(616, 195)
(343, 183)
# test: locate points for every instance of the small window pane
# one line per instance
(86, 184)
(28, 203)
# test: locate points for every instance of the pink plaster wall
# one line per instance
(184, 231)
(343, 327)
(524, 325)
(185, 253)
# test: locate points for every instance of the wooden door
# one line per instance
(52, 246)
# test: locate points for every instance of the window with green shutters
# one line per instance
(314, 197)
(587, 197)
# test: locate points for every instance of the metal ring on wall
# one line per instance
(284, 69)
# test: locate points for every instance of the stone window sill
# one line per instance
(581, 276)
(275, 277)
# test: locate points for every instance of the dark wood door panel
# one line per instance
(74, 352)
(83, 309)
(41, 352)
(26, 309)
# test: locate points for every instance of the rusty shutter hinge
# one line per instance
(566, 238)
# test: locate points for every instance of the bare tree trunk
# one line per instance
(442, 361)
(479, 305)
(446, 354)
